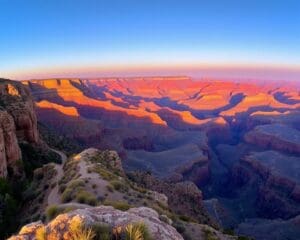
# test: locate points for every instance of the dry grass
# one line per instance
(79, 232)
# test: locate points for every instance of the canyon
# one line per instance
(233, 139)
(223, 152)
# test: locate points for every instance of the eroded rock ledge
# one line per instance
(59, 228)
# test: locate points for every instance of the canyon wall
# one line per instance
(18, 123)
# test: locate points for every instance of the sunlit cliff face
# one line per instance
(178, 128)
(69, 111)
(159, 100)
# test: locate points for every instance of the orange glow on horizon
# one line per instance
(236, 70)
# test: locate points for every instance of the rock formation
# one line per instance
(18, 122)
(60, 227)
(275, 136)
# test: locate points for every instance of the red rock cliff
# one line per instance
(17, 123)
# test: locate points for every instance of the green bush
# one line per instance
(76, 183)
(120, 205)
(52, 211)
(86, 197)
(209, 234)
(119, 186)
(102, 231)
(66, 195)
(137, 231)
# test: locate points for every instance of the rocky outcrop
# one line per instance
(184, 198)
(60, 227)
(275, 136)
(17, 123)
(276, 179)
(9, 149)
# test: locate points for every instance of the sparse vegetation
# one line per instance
(34, 157)
(79, 232)
(102, 231)
(137, 231)
(86, 197)
(209, 234)
(120, 205)
(58, 141)
(66, 195)
(52, 211)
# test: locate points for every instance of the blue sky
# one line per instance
(44, 35)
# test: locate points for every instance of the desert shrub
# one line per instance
(116, 184)
(76, 183)
(120, 205)
(52, 211)
(102, 231)
(66, 195)
(185, 218)
(209, 234)
(137, 231)
(79, 232)
(86, 197)
(119, 186)
(162, 205)
(105, 174)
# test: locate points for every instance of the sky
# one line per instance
(89, 38)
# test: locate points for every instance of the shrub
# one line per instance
(86, 197)
(184, 218)
(123, 206)
(79, 232)
(209, 234)
(52, 211)
(66, 195)
(119, 185)
(76, 183)
(137, 231)
(106, 175)
(102, 231)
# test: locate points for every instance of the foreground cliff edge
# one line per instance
(39, 183)
(111, 206)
